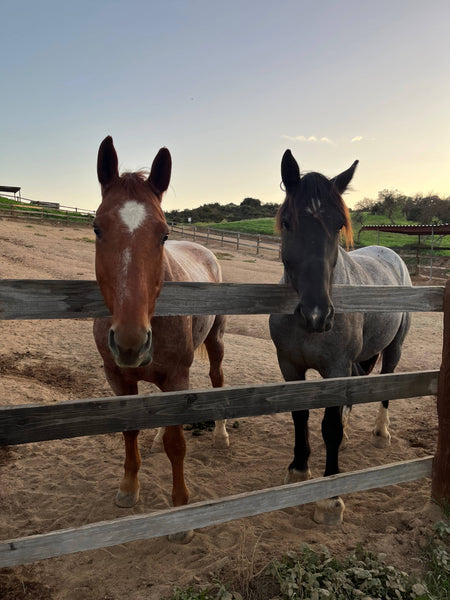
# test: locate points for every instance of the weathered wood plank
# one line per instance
(202, 514)
(33, 423)
(51, 299)
(441, 465)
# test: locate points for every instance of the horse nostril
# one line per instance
(111, 341)
(148, 341)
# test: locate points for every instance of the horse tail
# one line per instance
(201, 353)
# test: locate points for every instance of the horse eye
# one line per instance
(164, 238)
(97, 231)
(285, 224)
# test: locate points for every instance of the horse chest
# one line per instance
(326, 352)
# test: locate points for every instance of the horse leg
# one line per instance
(381, 438)
(128, 493)
(331, 510)
(298, 470)
(175, 447)
(215, 348)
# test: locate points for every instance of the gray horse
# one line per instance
(311, 220)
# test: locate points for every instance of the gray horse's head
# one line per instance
(311, 221)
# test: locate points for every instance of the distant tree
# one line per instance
(251, 202)
(249, 208)
(364, 205)
(392, 202)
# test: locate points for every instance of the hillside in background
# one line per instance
(249, 208)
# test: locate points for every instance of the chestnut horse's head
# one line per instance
(311, 221)
(130, 231)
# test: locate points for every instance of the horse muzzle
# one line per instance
(316, 320)
(131, 352)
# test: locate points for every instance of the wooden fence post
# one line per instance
(440, 486)
(238, 237)
(258, 242)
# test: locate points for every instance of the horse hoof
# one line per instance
(221, 443)
(380, 440)
(294, 476)
(182, 537)
(329, 512)
(126, 500)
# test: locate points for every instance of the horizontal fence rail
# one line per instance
(238, 239)
(53, 299)
(202, 514)
(35, 423)
(36, 299)
(41, 214)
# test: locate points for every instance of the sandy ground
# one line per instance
(69, 483)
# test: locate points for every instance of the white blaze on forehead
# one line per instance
(132, 214)
(122, 290)
(315, 208)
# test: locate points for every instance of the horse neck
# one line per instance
(344, 268)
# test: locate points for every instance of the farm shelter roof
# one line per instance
(9, 188)
(412, 229)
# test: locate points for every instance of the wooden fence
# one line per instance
(42, 214)
(24, 299)
(231, 239)
(419, 263)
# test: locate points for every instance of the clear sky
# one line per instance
(227, 87)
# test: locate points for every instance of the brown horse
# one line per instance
(132, 261)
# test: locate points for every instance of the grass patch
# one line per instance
(436, 556)
(52, 214)
(263, 226)
(396, 241)
(82, 239)
(312, 575)
(223, 256)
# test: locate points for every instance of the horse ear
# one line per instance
(290, 171)
(107, 162)
(161, 171)
(341, 181)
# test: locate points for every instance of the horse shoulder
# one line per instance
(187, 261)
(372, 265)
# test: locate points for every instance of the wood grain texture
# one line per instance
(34, 423)
(206, 513)
(440, 488)
(67, 299)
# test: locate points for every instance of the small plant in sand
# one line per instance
(317, 575)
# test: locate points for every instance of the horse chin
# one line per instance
(146, 361)
(140, 361)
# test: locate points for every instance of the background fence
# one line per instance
(24, 299)
(49, 212)
(419, 263)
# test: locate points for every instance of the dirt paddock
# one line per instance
(68, 483)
